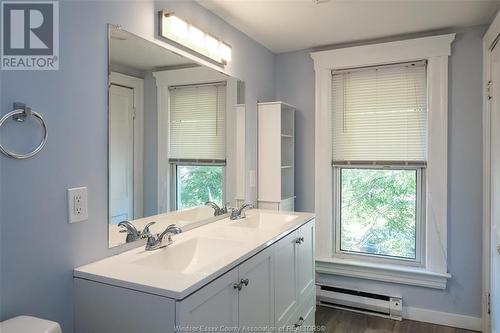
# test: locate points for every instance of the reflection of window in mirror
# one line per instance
(197, 143)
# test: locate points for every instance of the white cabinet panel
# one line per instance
(102, 308)
(304, 318)
(309, 308)
(305, 259)
(256, 300)
(285, 267)
(214, 305)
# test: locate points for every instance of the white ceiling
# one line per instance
(288, 25)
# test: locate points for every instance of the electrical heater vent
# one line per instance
(360, 301)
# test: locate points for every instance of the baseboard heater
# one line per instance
(360, 301)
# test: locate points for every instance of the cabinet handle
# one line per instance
(238, 286)
(244, 281)
(300, 322)
(299, 240)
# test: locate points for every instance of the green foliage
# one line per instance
(379, 211)
(198, 184)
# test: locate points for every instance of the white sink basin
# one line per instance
(190, 256)
(264, 221)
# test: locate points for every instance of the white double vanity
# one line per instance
(253, 273)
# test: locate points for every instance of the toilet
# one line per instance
(28, 324)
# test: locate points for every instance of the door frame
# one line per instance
(489, 39)
(137, 85)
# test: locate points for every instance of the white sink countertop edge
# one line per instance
(119, 270)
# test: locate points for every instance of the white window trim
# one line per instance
(435, 50)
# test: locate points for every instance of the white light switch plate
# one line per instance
(77, 204)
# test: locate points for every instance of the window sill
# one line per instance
(382, 272)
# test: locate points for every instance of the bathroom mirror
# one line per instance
(174, 135)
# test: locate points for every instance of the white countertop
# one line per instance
(138, 269)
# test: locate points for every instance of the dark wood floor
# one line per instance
(339, 321)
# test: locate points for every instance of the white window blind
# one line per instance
(380, 113)
(197, 122)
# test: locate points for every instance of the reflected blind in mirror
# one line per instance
(380, 113)
(197, 122)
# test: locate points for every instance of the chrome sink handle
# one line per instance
(217, 210)
(146, 232)
(173, 229)
(132, 233)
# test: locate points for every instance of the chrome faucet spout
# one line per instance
(237, 214)
(158, 242)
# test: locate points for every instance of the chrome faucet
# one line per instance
(132, 233)
(158, 242)
(217, 210)
(146, 232)
(237, 214)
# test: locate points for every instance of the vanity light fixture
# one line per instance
(191, 37)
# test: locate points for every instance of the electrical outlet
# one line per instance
(77, 204)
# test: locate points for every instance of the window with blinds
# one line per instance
(380, 114)
(197, 122)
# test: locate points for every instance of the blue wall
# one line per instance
(295, 84)
(39, 249)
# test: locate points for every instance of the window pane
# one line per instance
(378, 212)
(197, 184)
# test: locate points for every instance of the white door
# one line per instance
(215, 305)
(121, 153)
(495, 190)
(256, 298)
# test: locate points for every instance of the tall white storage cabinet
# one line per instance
(276, 156)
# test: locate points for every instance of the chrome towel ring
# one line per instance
(20, 113)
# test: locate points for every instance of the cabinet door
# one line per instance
(303, 320)
(256, 299)
(285, 287)
(215, 305)
(305, 259)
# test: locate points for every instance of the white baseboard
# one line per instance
(442, 318)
